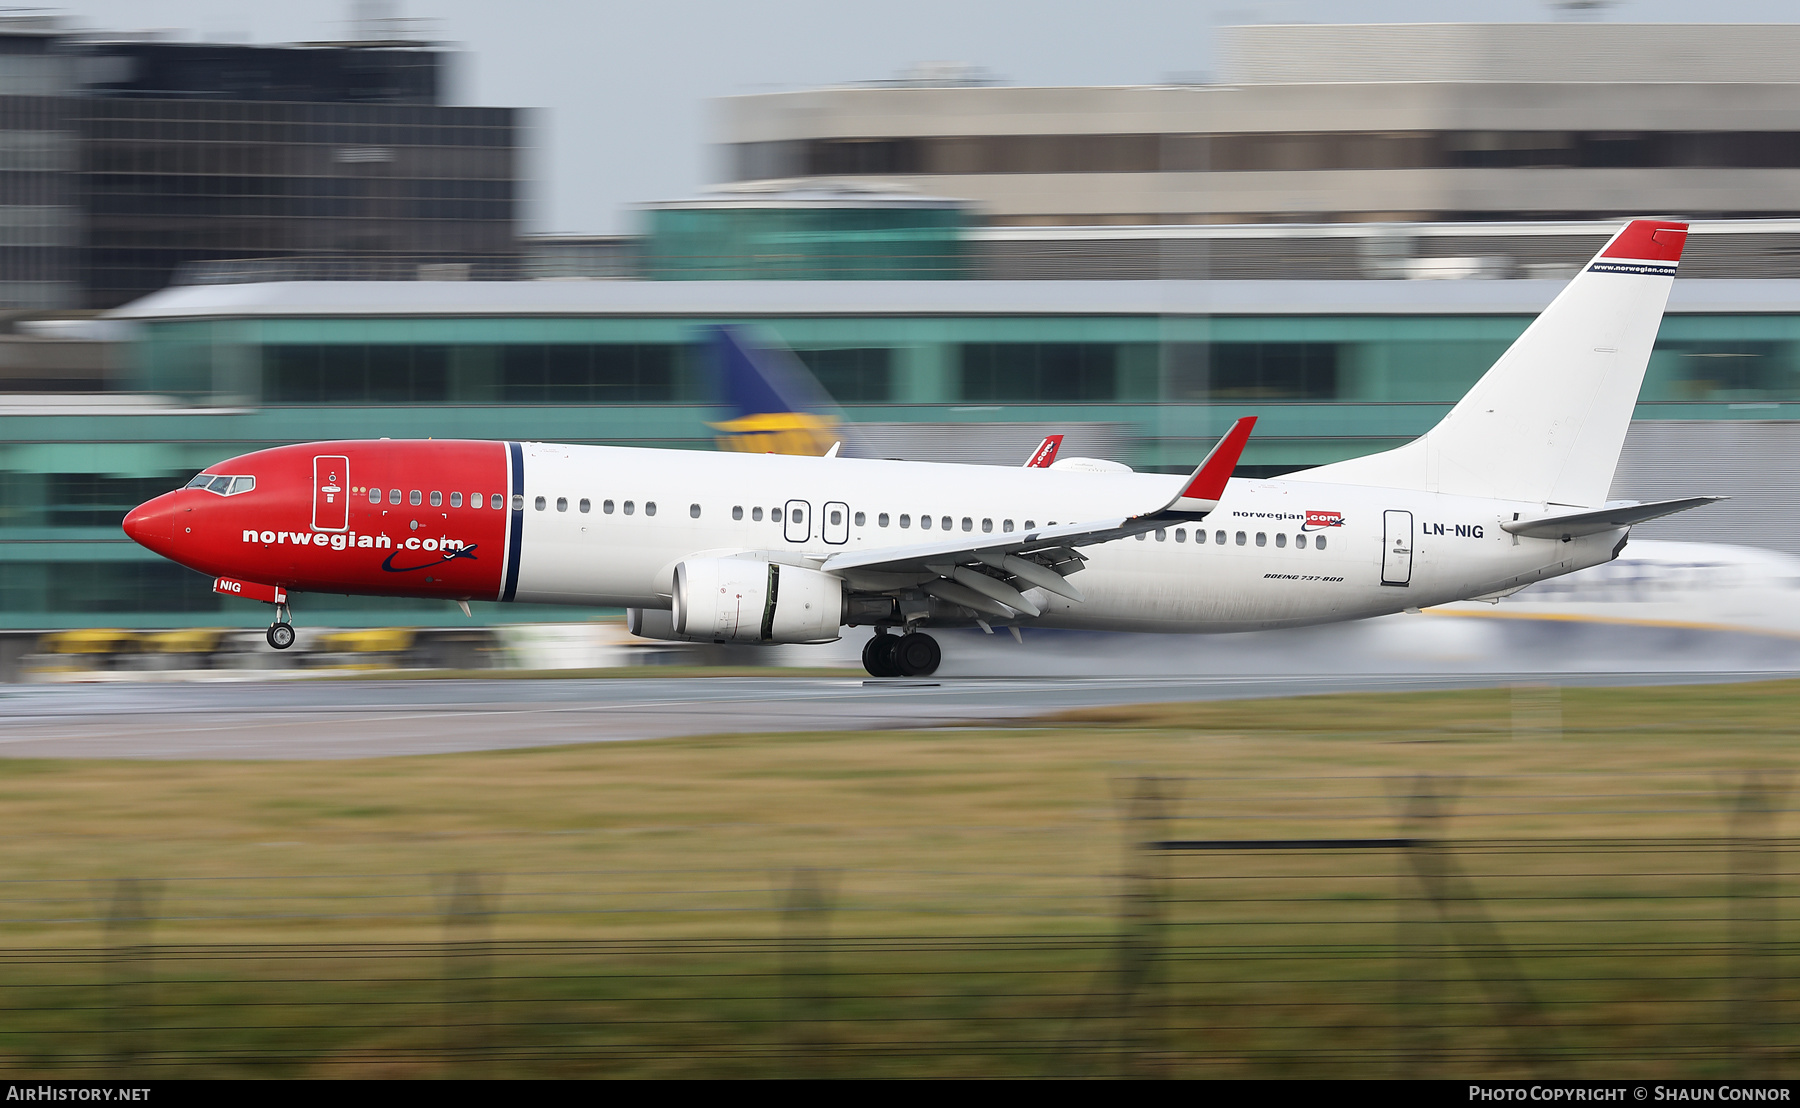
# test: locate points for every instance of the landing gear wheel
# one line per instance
(281, 635)
(917, 655)
(878, 655)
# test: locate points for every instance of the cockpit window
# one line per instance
(223, 484)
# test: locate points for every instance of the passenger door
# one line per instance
(797, 523)
(331, 492)
(1396, 548)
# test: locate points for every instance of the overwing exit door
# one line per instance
(331, 492)
(1396, 548)
(835, 527)
(797, 527)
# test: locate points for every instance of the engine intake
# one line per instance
(750, 600)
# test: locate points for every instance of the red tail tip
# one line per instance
(1649, 240)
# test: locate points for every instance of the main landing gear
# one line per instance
(913, 654)
(281, 632)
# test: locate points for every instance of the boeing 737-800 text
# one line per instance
(1510, 488)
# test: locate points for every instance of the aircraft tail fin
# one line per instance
(777, 405)
(1547, 422)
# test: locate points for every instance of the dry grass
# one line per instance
(996, 833)
(1012, 829)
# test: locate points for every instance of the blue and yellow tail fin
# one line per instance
(777, 405)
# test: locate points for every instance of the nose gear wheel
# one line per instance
(281, 632)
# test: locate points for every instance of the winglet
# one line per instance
(1208, 482)
(1045, 453)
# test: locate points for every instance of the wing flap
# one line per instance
(1569, 525)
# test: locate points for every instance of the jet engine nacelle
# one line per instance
(750, 600)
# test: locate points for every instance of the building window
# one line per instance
(1033, 371)
(583, 373)
(858, 376)
(1253, 370)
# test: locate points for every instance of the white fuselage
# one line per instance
(1430, 548)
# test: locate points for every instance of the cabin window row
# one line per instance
(1240, 538)
(417, 497)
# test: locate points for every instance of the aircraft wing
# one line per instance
(1569, 525)
(989, 572)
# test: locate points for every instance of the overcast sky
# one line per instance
(619, 90)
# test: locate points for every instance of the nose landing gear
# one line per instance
(281, 632)
(913, 654)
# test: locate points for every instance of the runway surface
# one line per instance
(308, 720)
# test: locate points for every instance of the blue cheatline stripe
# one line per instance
(517, 528)
(1655, 269)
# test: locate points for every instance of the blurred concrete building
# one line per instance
(124, 160)
(1404, 123)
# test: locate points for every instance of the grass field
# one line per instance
(585, 890)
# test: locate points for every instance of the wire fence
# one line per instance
(1413, 954)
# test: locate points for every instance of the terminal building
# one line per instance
(961, 315)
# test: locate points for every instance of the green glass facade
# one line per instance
(1325, 387)
(825, 242)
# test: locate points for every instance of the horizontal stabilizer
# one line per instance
(1610, 518)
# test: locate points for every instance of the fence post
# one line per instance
(806, 973)
(1419, 967)
(1755, 921)
(468, 918)
(128, 975)
(1139, 999)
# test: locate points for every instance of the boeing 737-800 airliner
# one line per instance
(1510, 488)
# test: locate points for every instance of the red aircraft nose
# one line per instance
(151, 523)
